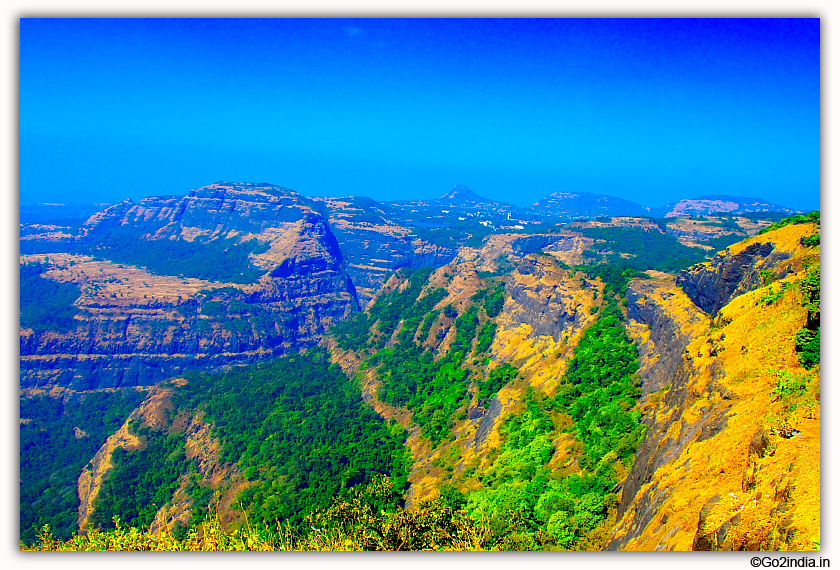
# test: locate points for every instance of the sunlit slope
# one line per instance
(542, 309)
(528, 445)
(731, 458)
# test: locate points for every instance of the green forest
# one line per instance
(647, 250)
(57, 438)
(297, 428)
(219, 260)
(46, 304)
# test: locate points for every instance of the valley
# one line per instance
(579, 375)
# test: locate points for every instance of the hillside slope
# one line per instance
(730, 459)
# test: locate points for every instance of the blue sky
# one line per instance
(647, 110)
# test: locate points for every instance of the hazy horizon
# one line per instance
(649, 110)
(385, 200)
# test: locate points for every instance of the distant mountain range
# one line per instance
(587, 205)
(461, 199)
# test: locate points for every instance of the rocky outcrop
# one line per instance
(543, 296)
(742, 268)
(655, 305)
(548, 242)
(702, 233)
(137, 328)
(713, 285)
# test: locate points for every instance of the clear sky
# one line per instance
(647, 110)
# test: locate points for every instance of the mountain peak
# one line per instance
(461, 194)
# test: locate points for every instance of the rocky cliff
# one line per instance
(730, 458)
(137, 326)
(546, 298)
(743, 267)
(223, 209)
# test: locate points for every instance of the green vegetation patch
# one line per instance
(298, 428)
(647, 250)
(485, 337)
(433, 390)
(546, 508)
(493, 299)
(218, 260)
(810, 217)
(807, 339)
(615, 275)
(599, 391)
(789, 385)
(352, 333)
(495, 381)
(398, 305)
(722, 242)
(53, 452)
(46, 305)
(411, 377)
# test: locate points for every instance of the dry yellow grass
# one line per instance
(754, 346)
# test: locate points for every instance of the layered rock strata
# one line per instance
(136, 328)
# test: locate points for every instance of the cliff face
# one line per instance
(547, 311)
(218, 210)
(730, 459)
(663, 322)
(374, 245)
(741, 268)
(544, 297)
(138, 328)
